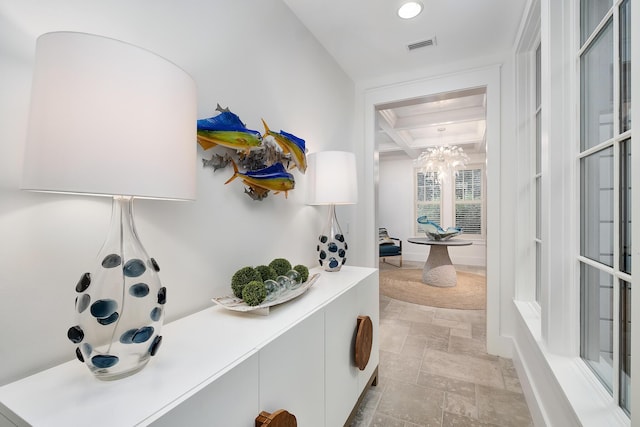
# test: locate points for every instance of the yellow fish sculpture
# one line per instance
(290, 144)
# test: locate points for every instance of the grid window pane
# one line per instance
(596, 107)
(625, 206)
(538, 210)
(625, 66)
(469, 184)
(538, 270)
(596, 322)
(625, 345)
(538, 173)
(596, 206)
(539, 142)
(591, 13)
(601, 128)
(428, 187)
(538, 76)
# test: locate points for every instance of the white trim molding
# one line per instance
(498, 313)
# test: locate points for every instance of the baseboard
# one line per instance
(499, 345)
(547, 402)
(522, 364)
(469, 260)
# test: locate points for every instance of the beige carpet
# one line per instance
(406, 285)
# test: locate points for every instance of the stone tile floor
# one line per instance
(435, 372)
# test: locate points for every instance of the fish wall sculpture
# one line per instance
(227, 129)
(290, 144)
(274, 177)
(262, 157)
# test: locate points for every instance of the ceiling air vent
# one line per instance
(423, 43)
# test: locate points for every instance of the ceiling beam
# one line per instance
(433, 142)
(438, 97)
(440, 118)
(385, 118)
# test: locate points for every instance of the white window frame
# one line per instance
(547, 334)
(526, 240)
(614, 144)
(537, 172)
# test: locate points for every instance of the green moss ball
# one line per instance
(266, 272)
(254, 293)
(303, 271)
(281, 266)
(242, 277)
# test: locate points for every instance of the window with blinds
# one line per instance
(428, 198)
(468, 201)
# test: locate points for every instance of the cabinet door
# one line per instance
(341, 372)
(292, 372)
(231, 400)
(369, 305)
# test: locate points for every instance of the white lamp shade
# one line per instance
(109, 118)
(332, 178)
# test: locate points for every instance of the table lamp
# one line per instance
(333, 181)
(111, 119)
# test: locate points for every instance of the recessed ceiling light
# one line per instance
(410, 9)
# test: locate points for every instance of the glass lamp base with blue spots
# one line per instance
(120, 303)
(332, 247)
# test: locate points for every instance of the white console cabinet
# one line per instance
(222, 368)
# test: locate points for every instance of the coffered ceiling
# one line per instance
(406, 128)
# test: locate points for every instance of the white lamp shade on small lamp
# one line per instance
(109, 118)
(333, 181)
(332, 178)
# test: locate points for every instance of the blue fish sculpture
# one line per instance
(227, 129)
(435, 232)
(274, 177)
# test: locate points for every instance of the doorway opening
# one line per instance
(455, 195)
(477, 83)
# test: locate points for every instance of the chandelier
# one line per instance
(443, 160)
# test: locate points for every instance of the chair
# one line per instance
(389, 246)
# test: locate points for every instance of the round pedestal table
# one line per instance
(438, 270)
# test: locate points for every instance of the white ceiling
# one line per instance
(369, 40)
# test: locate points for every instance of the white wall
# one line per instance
(396, 213)
(252, 56)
